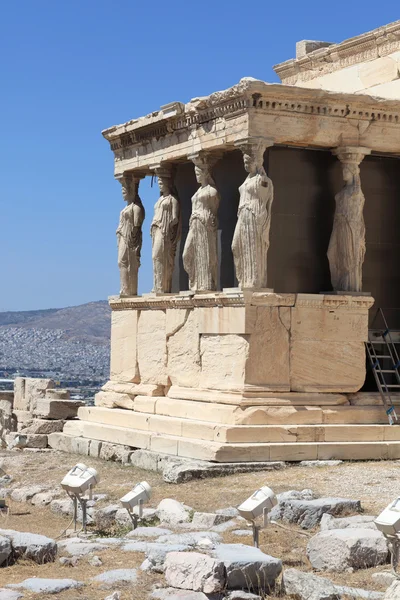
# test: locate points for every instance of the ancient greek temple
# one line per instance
(274, 242)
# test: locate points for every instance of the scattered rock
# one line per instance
(194, 571)
(241, 595)
(62, 506)
(80, 547)
(180, 471)
(110, 578)
(242, 532)
(355, 522)
(172, 512)
(231, 524)
(114, 596)
(9, 594)
(358, 593)
(47, 586)
(320, 463)
(248, 567)
(38, 548)
(306, 586)
(43, 426)
(105, 517)
(5, 549)
(384, 578)
(148, 532)
(5, 480)
(308, 513)
(123, 519)
(175, 594)
(69, 561)
(148, 547)
(231, 512)
(95, 561)
(44, 498)
(193, 539)
(341, 549)
(25, 494)
(393, 592)
(207, 520)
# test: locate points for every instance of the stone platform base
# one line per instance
(223, 433)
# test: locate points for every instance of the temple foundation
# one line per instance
(240, 376)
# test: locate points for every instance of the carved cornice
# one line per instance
(368, 46)
(221, 299)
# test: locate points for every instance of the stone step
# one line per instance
(231, 452)
(185, 428)
(259, 415)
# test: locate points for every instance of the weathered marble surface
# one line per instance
(129, 235)
(165, 232)
(251, 238)
(200, 255)
(347, 244)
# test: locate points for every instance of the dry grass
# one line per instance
(374, 483)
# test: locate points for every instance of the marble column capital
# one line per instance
(249, 142)
(351, 154)
(205, 157)
(162, 169)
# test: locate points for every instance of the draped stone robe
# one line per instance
(200, 255)
(129, 237)
(251, 238)
(347, 244)
(165, 233)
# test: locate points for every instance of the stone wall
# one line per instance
(257, 344)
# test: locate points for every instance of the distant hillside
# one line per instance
(85, 322)
(73, 341)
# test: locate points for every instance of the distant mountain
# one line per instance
(73, 341)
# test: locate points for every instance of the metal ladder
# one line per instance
(386, 351)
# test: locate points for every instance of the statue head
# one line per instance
(253, 157)
(164, 176)
(202, 169)
(130, 187)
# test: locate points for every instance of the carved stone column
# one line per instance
(251, 238)
(165, 231)
(129, 234)
(200, 254)
(347, 244)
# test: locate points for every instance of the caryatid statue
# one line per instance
(347, 244)
(251, 238)
(200, 255)
(165, 232)
(129, 235)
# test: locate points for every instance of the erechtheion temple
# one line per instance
(274, 243)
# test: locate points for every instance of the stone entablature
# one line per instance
(369, 46)
(286, 115)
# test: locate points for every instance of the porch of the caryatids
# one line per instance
(129, 234)
(346, 249)
(200, 254)
(165, 230)
(251, 238)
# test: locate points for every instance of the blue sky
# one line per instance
(72, 68)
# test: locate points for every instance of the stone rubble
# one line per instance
(307, 586)
(31, 546)
(194, 571)
(38, 585)
(116, 576)
(354, 522)
(341, 549)
(247, 567)
(308, 513)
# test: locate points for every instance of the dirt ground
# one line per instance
(374, 483)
